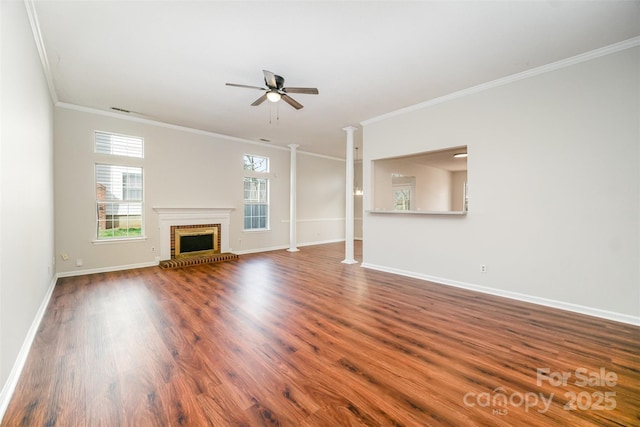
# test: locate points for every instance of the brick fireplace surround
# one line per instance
(175, 217)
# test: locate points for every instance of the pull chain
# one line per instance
(277, 113)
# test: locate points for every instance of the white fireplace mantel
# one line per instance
(168, 217)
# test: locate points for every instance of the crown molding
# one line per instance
(42, 52)
(567, 62)
(138, 119)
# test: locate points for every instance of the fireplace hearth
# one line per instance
(191, 236)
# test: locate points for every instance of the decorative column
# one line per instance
(292, 199)
(349, 217)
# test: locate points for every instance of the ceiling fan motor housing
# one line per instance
(279, 82)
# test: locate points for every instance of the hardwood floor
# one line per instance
(300, 339)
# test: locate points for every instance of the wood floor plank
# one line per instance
(140, 406)
(103, 388)
(300, 339)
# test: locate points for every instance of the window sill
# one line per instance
(122, 240)
(256, 230)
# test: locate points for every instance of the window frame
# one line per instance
(117, 153)
(125, 165)
(263, 174)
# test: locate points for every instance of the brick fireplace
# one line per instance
(170, 219)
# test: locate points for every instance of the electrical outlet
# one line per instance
(79, 262)
(483, 268)
(153, 248)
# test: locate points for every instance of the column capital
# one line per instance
(293, 146)
(350, 129)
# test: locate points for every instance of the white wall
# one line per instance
(26, 191)
(184, 168)
(321, 199)
(553, 173)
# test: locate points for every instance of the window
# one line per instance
(256, 193)
(256, 163)
(119, 201)
(119, 145)
(256, 204)
(402, 199)
(119, 188)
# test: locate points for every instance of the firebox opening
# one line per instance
(202, 242)
(195, 242)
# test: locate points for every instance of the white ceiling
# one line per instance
(169, 60)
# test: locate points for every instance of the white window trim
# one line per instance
(121, 161)
(119, 240)
(263, 175)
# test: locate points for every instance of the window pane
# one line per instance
(119, 145)
(118, 182)
(118, 201)
(256, 194)
(402, 200)
(132, 186)
(256, 163)
(255, 216)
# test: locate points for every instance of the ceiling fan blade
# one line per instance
(289, 100)
(270, 79)
(246, 86)
(259, 100)
(308, 90)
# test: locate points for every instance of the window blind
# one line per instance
(119, 145)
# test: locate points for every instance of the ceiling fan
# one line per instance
(275, 90)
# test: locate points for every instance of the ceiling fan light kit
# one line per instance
(273, 96)
(275, 90)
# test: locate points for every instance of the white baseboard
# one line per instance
(157, 260)
(278, 248)
(589, 311)
(253, 251)
(108, 269)
(12, 381)
(321, 242)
